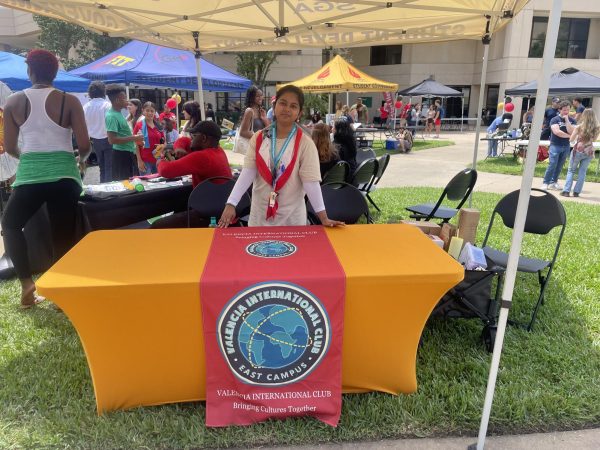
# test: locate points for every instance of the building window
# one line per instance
(384, 55)
(572, 38)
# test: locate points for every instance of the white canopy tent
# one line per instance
(254, 25)
(290, 24)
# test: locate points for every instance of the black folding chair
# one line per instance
(342, 202)
(544, 214)
(365, 153)
(337, 174)
(364, 175)
(459, 188)
(382, 164)
(209, 197)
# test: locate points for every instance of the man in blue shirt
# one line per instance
(549, 114)
(561, 127)
(493, 143)
(579, 108)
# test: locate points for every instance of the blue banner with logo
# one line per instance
(152, 65)
(272, 308)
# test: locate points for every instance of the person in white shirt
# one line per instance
(94, 111)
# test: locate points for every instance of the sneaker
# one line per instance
(565, 194)
(556, 186)
(575, 194)
(544, 187)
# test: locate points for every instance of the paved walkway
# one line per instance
(566, 440)
(436, 166)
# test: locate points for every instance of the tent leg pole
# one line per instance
(462, 112)
(521, 213)
(348, 99)
(484, 64)
(486, 49)
(127, 90)
(197, 55)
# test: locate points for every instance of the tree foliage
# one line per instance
(255, 66)
(75, 46)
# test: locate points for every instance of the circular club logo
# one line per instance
(271, 249)
(273, 334)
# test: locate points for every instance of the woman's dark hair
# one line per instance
(316, 116)
(292, 90)
(97, 89)
(193, 109)
(251, 96)
(209, 106)
(138, 110)
(344, 135)
(42, 64)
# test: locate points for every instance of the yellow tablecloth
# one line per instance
(134, 298)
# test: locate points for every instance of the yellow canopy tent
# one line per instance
(338, 75)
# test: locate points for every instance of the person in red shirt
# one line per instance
(148, 127)
(166, 112)
(206, 159)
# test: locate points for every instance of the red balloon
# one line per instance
(171, 103)
(509, 107)
(398, 105)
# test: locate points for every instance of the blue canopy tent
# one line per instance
(151, 65)
(13, 73)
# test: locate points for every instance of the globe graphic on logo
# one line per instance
(273, 336)
(271, 249)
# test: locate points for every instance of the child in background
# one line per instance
(171, 134)
(149, 129)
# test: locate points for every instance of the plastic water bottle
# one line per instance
(213, 222)
(137, 185)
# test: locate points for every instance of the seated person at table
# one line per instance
(205, 160)
(282, 165)
(328, 154)
(505, 118)
(171, 134)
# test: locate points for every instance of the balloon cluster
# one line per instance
(173, 101)
(508, 107)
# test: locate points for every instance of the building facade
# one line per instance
(514, 57)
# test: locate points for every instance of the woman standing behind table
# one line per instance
(338, 110)
(191, 113)
(255, 117)
(528, 115)
(345, 142)
(282, 164)
(328, 153)
(149, 128)
(47, 171)
(134, 106)
(583, 151)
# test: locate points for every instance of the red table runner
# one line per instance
(273, 309)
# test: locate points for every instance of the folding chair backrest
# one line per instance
(338, 173)
(461, 185)
(210, 196)
(365, 153)
(364, 173)
(382, 164)
(344, 202)
(544, 212)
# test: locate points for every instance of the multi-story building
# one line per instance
(514, 56)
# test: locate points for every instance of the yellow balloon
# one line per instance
(501, 105)
(177, 98)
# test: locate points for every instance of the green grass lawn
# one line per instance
(510, 166)
(549, 379)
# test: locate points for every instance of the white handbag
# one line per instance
(240, 144)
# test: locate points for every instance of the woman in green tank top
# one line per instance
(47, 173)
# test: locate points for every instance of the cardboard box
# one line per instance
(437, 241)
(447, 232)
(427, 227)
(468, 220)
